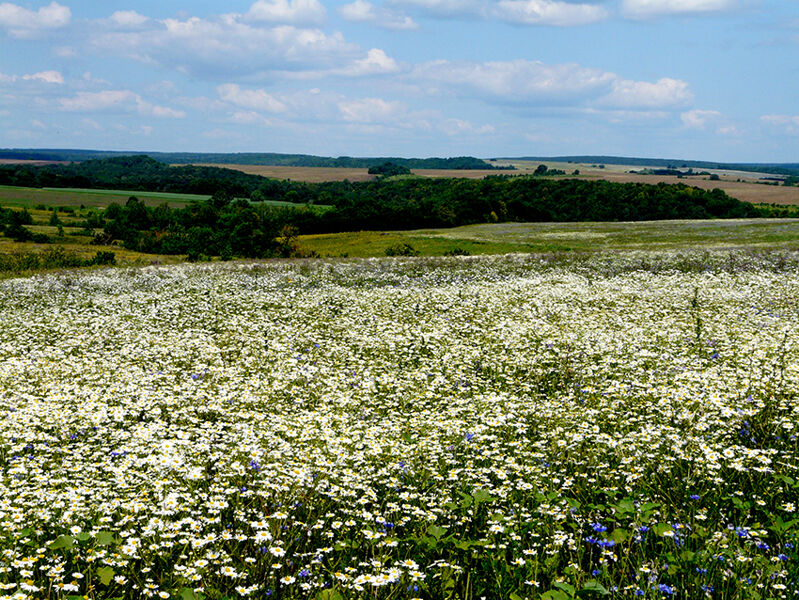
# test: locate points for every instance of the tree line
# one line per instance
(239, 220)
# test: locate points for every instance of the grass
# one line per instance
(24, 197)
(501, 238)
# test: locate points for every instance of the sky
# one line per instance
(694, 79)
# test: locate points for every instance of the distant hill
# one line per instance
(669, 163)
(256, 158)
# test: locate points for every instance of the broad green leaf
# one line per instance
(105, 538)
(83, 536)
(62, 541)
(555, 595)
(329, 595)
(619, 535)
(106, 574)
(481, 496)
(566, 587)
(436, 531)
(594, 587)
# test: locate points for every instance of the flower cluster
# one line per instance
(402, 428)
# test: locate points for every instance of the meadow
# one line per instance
(584, 425)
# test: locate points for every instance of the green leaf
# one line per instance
(514, 596)
(329, 595)
(83, 536)
(625, 507)
(105, 538)
(554, 595)
(566, 587)
(661, 528)
(481, 496)
(188, 594)
(62, 541)
(594, 587)
(619, 535)
(106, 574)
(436, 531)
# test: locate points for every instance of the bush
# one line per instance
(457, 252)
(103, 257)
(402, 249)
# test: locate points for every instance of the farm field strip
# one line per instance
(500, 427)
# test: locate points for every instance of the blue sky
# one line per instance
(695, 79)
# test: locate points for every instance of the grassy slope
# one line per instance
(563, 237)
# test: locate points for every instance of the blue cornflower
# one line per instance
(606, 544)
(595, 572)
(599, 527)
(782, 557)
(694, 496)
(708, 588)
(665, 589)
(762, 546)
(469, 437)
(643, 529)
(305, 573)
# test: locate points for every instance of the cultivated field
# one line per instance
(502, 427)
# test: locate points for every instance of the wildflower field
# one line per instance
(502, 427)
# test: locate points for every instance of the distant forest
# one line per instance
(254, 158)
(238, 220)
(463, 162)
(669, 163)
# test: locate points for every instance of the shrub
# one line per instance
(401, 249)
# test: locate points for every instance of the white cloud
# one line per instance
(120, 100)
(46, 77)
(518, 12)
(645, 9)
(516, 82)
(365, 12)
(252, 99)
(128, 19)
(295, 12)
(25, 23)
(226, 47)
(547, 12)
(371, 110)
(665, 93)
(699, 119)
(782, 123)
(376, 62)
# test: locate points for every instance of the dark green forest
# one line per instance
(258, 158)
(236, 220)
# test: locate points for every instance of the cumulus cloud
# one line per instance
(53, 77)
(365, 12)
(258, 100)
(295, 12)
(519, 12)
(782, 123)
(376, 62)
(22, 22)
(516, 82)
(46, 77)
(128, 19)
(119, 100)
(371, 110)
(699, 119)
(547, 12)
(665, 93)
(645, 9)
(227, 46)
